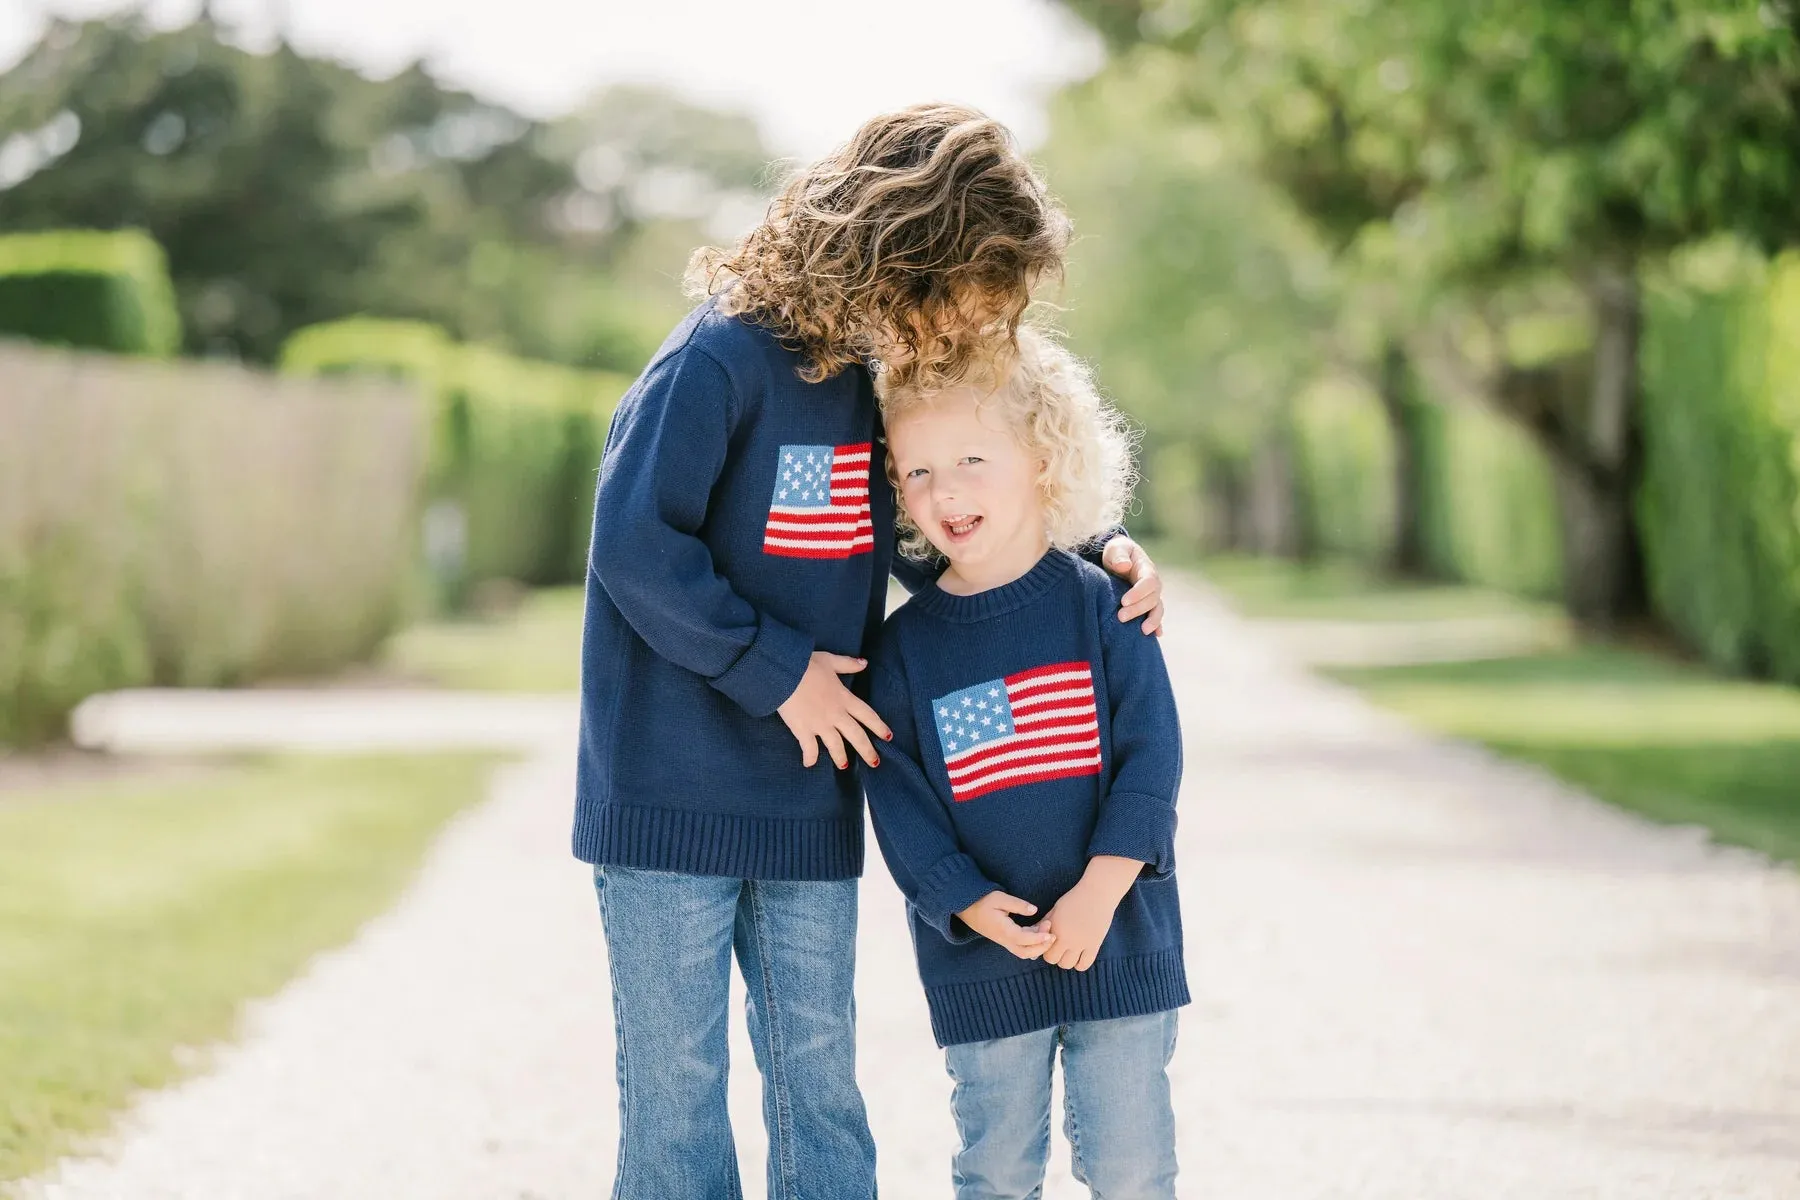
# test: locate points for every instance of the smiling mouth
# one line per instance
(959, 528)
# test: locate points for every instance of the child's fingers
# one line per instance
(809, 749)
(1153, 622)
(1012, 904)
(834, 746)
(868, 716)
(843, 664)
(858, 738)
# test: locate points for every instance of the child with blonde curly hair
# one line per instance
(1033, 770)
(742, 545)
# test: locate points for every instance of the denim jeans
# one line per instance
(670, 939)
(1117, 1115)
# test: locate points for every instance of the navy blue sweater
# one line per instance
(743, 520)
(1032, 731)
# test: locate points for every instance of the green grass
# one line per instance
(536, 648)
(1673, 742)
(1275, 589)
(136, 914)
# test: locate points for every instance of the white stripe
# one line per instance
(848, 525)
(832, 543)
(1046, 697)
(1081, 673)
(1048, 735)
(1053, 715)
(970, 785)
(1056, 747)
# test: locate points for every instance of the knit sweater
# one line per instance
(742, 521)
(1032, 731)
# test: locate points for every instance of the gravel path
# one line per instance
(1420, 974)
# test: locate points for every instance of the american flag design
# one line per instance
(820, 508)
(1036, 725)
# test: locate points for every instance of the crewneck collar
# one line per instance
(1055, 566)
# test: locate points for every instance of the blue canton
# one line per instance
(973, 716)
(804, 477)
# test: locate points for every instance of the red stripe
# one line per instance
(1053, 669)
(1049, 735)
(997, 785)
(858, 448)
(821, 516)
(1051, 700)
(843, 551)
(1061, 752)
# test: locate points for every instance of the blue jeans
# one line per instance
(1117, 1114)
(670, 939)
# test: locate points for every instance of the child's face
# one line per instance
(968, 484)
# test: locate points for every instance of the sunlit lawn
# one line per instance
(1670, 741)
(1667, 739)
(1338, 591)
(536, 648)
(136, 914)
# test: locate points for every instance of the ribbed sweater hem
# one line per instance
(696, 843)
(1048, 996)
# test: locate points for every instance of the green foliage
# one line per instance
(1720, 508)
(1343, 471)
(1489, 503)
(288, 190)
(516, 443)
(98, 291)
(192, 525)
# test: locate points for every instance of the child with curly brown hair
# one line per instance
(743, 538)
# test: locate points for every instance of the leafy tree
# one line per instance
(1478, 150)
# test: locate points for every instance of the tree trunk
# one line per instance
(1596, 454)
(1227, 501)
(1271, 494)
(1406, 550)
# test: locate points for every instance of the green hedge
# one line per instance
(194, 525)
(1343, 472)
(88, 289)
(1720, 506)
(516, 445)
(1488, 502)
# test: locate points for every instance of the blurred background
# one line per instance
(1465, 339)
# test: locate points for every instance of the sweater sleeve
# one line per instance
(665, 453)
(912, 822)
(1137, 813)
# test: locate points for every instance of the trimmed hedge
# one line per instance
(1720, 505)
(516, 442)
(193, 524)
(90, 290)
(1487, 502)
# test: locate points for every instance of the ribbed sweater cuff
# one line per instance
(1133, 825)
(769, 669)
(951, 886)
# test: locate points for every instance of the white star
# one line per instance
(953, 745)
(975, 736)
(967, 702)
(784, 493)
(993, 691)
(987, 720)
(943, 712)
(981, 704)
(790, 458)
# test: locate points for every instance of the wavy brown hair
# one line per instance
(916, 242)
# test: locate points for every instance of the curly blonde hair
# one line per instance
(1048, 399)
(926, 232)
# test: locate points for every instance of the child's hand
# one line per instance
(1080, 920)
(990, 917)
(822, 709)
(1123, 556)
